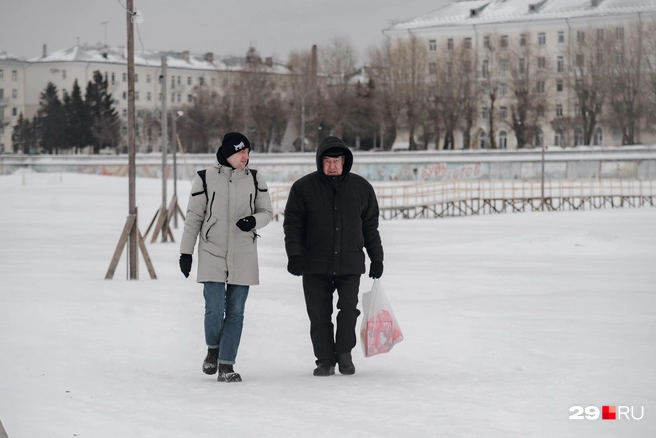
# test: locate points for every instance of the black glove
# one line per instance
(295, 265)
(376, 269)
(185, 264)
(246, 224)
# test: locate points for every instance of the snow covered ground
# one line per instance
(509, 321)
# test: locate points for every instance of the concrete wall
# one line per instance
(621, 162)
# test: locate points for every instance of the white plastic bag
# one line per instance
(379, 331)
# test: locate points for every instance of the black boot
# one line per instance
(227, 374)
(345, 363)
(324, 368)
(209, 364)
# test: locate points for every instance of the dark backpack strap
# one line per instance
(257, 185)
(202, 174)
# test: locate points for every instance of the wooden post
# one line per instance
(133, 239)
(165, 141)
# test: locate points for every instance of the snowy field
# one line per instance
(509, 321)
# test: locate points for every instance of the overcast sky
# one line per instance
(225, 27)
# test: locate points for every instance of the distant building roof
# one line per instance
(6, 56)
(118, 55)
(467, 12)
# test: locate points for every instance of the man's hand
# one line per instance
(295, 265)
(185, 264)
(376, 269)
(246, 224)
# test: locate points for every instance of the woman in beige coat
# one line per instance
(228, 202)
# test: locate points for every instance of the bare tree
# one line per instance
(411, 55)
(626, 83)
(650, 62)
(529, 89)
(494, 78)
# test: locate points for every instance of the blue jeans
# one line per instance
(224, 318)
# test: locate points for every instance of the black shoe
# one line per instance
(324, 368)
(209, 364)
(227, 374)
(345, 363)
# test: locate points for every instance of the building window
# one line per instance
(14, 111)
(503, 140)
(172, 98)
(125, 113)
(179, 97)
(432, 68)
(2, 74)
(542, 38)
(139, 113)
(125, 95)
(598, 137)
(504, 41)
(449, 44)
(522, 65)
(485, 68)
(522, 40)
(179, 79)
(559, 110)
(486, 42)
(14, 75)
(125, 77)
(188, 80)
(503, 112)
(539, 138)
(503, 65)
(467, 65)
(559, 86)
(600, 34)
(2, 97)
(148, 79)
(540, 111)
(542, 62)
(149, 96)
(558, 138)
(190, 98)
(578, 137)
(113, 78)
(485, 113)
(14, 94)
(432, 45)
(503, 89)
(561, 37)
(201, 81)
(136, 77)
(579, 60)
(136, 95)
(619, 33)
(468, 43)
(482, 140)
(580, 37)
(540, 87)
(560, 64)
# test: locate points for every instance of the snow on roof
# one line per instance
(118, 55)
(6, 56)
(467, 12)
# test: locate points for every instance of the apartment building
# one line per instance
(12, 95)
(186, 73)
(555, 31)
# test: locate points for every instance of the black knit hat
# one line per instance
(232, 143)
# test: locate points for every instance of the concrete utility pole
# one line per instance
(165, 145)
(174, 117)
(133, 255)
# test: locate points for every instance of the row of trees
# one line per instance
(72, 122)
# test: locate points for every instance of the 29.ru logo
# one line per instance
(607, 412)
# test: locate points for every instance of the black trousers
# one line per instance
(318, 290)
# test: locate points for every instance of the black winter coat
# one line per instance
(329, 220)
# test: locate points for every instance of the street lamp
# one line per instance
(303, 118)
(174, 118)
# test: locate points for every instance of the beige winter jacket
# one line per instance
(225, 252)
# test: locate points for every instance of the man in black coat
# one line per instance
(330, 216)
